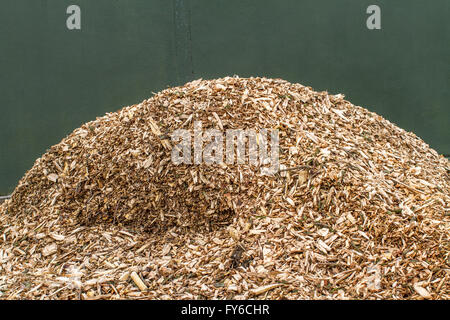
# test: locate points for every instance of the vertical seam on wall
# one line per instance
(183, 41)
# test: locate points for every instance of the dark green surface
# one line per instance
(52, 80)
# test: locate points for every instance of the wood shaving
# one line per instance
(360, 209)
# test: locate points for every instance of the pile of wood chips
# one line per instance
(358, 210)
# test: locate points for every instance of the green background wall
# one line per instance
(53, 79)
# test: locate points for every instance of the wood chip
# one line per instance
(57, 237)
(138, 281)
(264, 289)
(49, 249)
(422, 291)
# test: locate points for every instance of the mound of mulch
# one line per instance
(358, 207)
